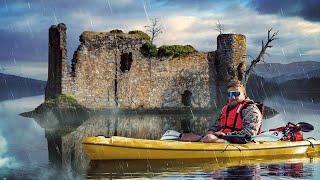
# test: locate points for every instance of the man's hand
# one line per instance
(219, 133)
(210, 132)
(209, 138)
(190, 137)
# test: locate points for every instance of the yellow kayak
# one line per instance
(102, 148)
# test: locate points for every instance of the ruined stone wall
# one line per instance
(109, 71)
(151, 83)
(101, 81)
(96, 67)
(173, 80)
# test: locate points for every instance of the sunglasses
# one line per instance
(233, 93)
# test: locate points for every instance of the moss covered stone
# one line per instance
(116, 31)
(149, 50)
(63, 100)
(175, 50)
(61, 103)
(142, 34)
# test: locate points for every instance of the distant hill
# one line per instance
(299, 75)
(285, 71)
(302, 89)
(13, 87)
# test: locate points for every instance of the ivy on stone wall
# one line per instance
(149, 50)
(142, 34)
(175, 50)
(116, 31)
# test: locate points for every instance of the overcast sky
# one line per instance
(24, 26)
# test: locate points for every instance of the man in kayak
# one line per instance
(240, 116)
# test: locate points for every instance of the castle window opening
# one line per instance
(186, 98)
(126, 61)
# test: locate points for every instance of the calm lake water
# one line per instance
(45, 148)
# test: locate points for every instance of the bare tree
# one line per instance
(154, 29)
(260, 57)
(220, 27)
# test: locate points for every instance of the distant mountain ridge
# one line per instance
(13, 87)
(297, 76)
(297, 69)
(304, 89)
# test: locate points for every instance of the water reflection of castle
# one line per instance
(64, 139)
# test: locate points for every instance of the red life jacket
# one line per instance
(231, 119)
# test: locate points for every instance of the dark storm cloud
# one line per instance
(62, 7)
(17, 46)
(194, 4)
(24, 24)
(307, 9)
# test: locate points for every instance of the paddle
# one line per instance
(305, 127)
(301, 126)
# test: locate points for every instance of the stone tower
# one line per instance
(57, 65)
(230, 62)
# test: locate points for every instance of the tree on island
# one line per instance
(220, 27)
(154, 29)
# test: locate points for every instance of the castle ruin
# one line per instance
(109, 71)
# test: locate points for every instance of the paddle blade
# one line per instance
(171, 135)
(305, 127)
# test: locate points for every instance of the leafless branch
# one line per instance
(154, 29)
(260, 57)
(220, 27)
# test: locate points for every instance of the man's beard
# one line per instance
(233, 103)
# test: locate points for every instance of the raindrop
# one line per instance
(283, 52)
(91, 23)
(145, 10)
(109, 5)
(30, 30)
(55, 18)
(5, 2)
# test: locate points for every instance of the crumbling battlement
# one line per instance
(109, 71)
